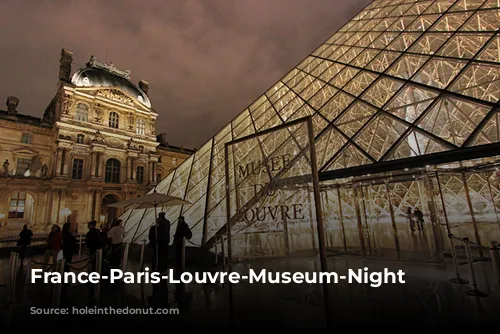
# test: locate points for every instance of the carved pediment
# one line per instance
(115, 95)
(114, 142)
(25, 152)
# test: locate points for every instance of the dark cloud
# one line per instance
(206, 60)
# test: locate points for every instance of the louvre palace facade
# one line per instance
(95, 144)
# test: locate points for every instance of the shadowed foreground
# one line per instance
(426, 299)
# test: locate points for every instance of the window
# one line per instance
(141, 148)
(112, 171)
(26, 138)
(77, 173)
(23, 166)
(82, 112)
(141, 127)
(17, 205)
(113, 120)
(140, 174)
(174, 161)
(158, 177)
(80, 139)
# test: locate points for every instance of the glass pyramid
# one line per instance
(399, 80)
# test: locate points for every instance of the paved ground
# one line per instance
(427, 299)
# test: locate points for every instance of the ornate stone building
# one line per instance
(95, 144)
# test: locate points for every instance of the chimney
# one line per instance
(12, 103)
(162, 138)
(65, 65)
(144, 86)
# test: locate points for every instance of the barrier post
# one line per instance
(475, 291)
(28, 273)
(80, 246)
(495, 259)
(13, 260)
(457, 279)
(223, 256)
(98, 265)
(125, 257)
(223, 253)
(56, 293)
(141, 268)
(216, 252)
(183, 254)
(124, 269)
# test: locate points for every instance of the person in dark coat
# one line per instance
(159, 243)
(70, 247)
(70, 244)
(159, 239)
(93, 242)
(24, 241)
(419, 217)
(410, 219)
(182, 233)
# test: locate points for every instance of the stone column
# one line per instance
(61, 205)
(55, 163)
(88, 204)
(153, 172)
(101, 165)
(61, 161)
(134, 169)
(92, 163)
(129, 169)
(50, 201)
(147, 173)
(98, 205)
(67, 161)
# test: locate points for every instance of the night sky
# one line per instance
(206, 60)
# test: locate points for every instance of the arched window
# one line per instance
(82, 112)
(141, 127)
(113, 120)
(21, 205)
(112, 171)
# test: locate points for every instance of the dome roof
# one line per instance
(98, 77)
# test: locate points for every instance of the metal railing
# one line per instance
(92, 263)
(494, 249)
(60, 266)
(36, 240)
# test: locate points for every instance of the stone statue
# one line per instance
(98, 114)
(92, 61)
(44, 171)
(66, 105)
(130, 143)
(6, 167)
(130, 121)
(98, 138)
(153, 128)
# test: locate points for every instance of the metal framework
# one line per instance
(403, 84)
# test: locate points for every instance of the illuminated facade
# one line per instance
(404, 103)
(95, 144)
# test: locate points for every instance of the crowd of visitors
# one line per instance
(62, 244)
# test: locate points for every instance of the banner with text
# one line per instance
(272, 190)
